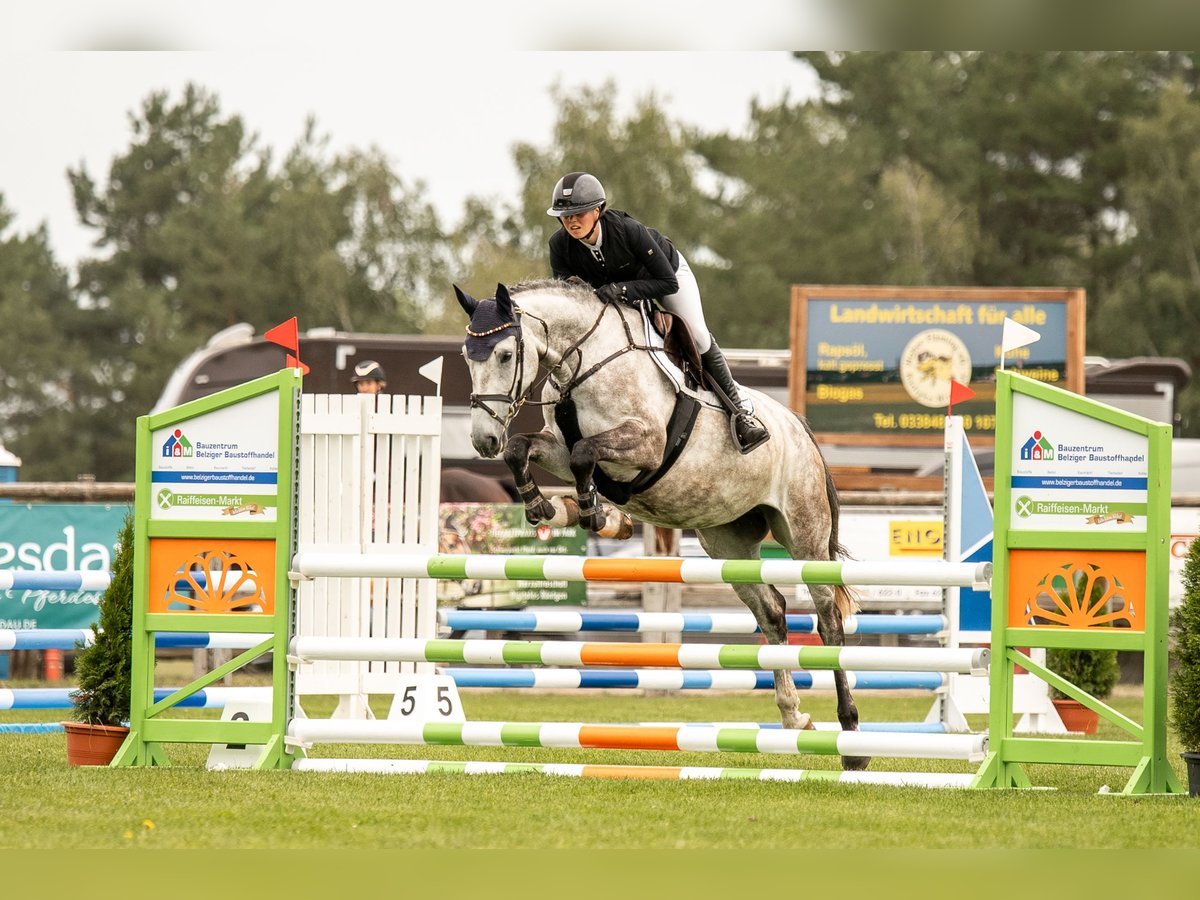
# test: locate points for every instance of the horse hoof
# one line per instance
(855, 763)
(801, 722)
(542, 512)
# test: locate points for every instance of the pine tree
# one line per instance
(1185, 679)
(104, 670)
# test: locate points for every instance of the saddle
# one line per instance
(679, 345)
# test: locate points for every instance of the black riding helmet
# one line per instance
(576, 193)
(368, 370)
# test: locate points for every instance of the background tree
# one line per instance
(51, 403)
(909, 168)
(1157, 302)
(198, 230)
(1033, 144)
(804, 200)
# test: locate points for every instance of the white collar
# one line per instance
(596, 247)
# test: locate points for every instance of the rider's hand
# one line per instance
(610, 293)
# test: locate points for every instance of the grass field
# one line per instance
(44, 803)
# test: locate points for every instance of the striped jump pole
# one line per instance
(31, 727)
(677, 773)
(30, 580)
(915, 727)
(690, 738)
(561, 621)
(683, 679)
(77, 580)
(935, 573)
(675, 656)
(60, 698)
(72, 638)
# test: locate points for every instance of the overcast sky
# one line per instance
(451, 122)
(444, 103)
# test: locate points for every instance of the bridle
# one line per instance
(516, 398)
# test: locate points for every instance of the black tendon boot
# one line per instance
(748, 432)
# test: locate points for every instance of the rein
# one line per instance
(517, 398)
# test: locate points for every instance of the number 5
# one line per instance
(409, 702)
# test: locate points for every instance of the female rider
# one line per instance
(622, 259)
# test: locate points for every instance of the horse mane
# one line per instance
(572, 289)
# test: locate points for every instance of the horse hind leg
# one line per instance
(769, 608)
(804, 539)
(740, 540)
(831, 629)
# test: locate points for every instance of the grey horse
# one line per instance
(559, 338)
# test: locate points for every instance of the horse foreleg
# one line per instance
(583, 467)
(520, 449)
(633, 444)
(829, 626)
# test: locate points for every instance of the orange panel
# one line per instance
(207, 575)
(1077, 589)
(633, 570)
(672, 772)
(662, 656)
(625, 737)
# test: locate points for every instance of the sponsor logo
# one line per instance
(929, 361)
(177, 445)
(1037, 448)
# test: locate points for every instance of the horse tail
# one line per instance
(847, 598)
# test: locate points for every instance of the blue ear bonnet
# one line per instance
(489, 326)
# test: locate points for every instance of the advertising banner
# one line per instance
(55, 537)
(219, 464)
(1071, 472)
(879, 361)
(501, 528)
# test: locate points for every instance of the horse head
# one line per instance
(501, 372)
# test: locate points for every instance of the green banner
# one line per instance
(55, 537)
(501, 528)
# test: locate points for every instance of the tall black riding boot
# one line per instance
(748, 432)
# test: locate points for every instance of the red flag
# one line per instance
(294, 363)
(959, 393)
(286, 335)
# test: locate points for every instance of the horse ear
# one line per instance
(504, 303)
(466, 301)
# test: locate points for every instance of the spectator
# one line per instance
(369, 377)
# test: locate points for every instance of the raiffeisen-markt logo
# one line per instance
(1037, 448)
(177, 445)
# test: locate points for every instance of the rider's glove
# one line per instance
(610, 293)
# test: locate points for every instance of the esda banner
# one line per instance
(55, 537)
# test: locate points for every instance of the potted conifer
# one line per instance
(1093, 671)
(1185, 678)
(104, 670)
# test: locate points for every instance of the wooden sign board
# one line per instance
(872, 365)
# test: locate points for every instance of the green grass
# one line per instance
(44, 803)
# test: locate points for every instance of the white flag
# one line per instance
(433, 371)
(1015, 335)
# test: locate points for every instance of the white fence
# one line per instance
(369, 474)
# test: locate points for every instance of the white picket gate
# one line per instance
(370, 474)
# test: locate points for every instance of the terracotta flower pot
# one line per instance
(93, 745)
(1077, 717)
